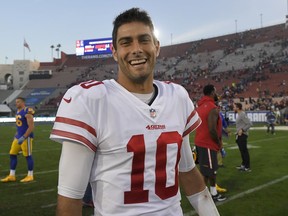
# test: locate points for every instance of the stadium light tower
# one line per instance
(236, 27)
(58, 50)
(261, 21)
(52, 47)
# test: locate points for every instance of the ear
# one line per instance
(157, 44)
(114, 53)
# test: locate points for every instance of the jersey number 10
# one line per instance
(136, 144)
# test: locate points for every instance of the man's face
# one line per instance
(19, 103)
(136, 52)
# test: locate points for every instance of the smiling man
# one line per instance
(129, 137)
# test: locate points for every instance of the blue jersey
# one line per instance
(21, 122)
(270, 117)
(224, 124)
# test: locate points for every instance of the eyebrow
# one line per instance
(130, 37)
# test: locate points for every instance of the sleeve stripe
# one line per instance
(74, 136)
(76, 123)
(192, 128)
(191, 116)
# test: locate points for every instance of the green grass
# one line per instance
(263, 192)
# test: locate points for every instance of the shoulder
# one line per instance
(29, 110)
(85, 90)
(172, 88)
(81, 101)
(243, 115)
(214, 111)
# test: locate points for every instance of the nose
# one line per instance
(136, 47)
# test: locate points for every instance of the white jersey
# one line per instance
(137, 146)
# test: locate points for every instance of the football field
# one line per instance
(262, 192)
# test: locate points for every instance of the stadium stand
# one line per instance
(247, 66)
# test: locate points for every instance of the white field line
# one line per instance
(280, 128)
(256, 141)
(242, 194)
(191, 213)
(12, 184)
(41, 172)
(42, 150)
(49, 205)
(41, 191)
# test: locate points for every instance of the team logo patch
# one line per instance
(152, 113)
(155, 127)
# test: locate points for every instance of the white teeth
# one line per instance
(139, 61)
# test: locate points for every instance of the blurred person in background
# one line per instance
(22, 141)
(208, 139)
(243, 124)
(271, 119)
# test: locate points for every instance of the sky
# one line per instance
(43, 23)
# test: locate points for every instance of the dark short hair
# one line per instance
(238, 105)
(208, 89)
(128, 16)
(21, 98)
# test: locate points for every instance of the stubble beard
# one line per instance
(137, 77)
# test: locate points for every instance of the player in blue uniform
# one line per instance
(22, 141)
(271, 121)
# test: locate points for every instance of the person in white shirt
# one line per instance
(129, 137)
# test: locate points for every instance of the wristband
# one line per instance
(203, 203)
(21, 140)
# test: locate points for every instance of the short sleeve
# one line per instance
(74, 120)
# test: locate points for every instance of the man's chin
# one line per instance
(140, 79)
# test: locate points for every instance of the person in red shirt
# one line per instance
(208, 138)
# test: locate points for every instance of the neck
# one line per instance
(145, 87)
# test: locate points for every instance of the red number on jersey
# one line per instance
(90, 84)
(136, 144)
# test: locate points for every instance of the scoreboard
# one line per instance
(96, 47)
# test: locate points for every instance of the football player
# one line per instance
(271, 121)
(22, 141)
(129, 137)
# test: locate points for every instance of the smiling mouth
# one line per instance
(137, 62)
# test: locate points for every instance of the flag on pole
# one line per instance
(26, 45)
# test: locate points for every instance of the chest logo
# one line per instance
(155, 127)
(152, 113)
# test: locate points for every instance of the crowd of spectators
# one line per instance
(197, 64)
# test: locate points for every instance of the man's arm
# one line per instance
(73, 177)
(192, 181)
(197, 193)
(30, 122)
(212, 125)
(68, 206)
